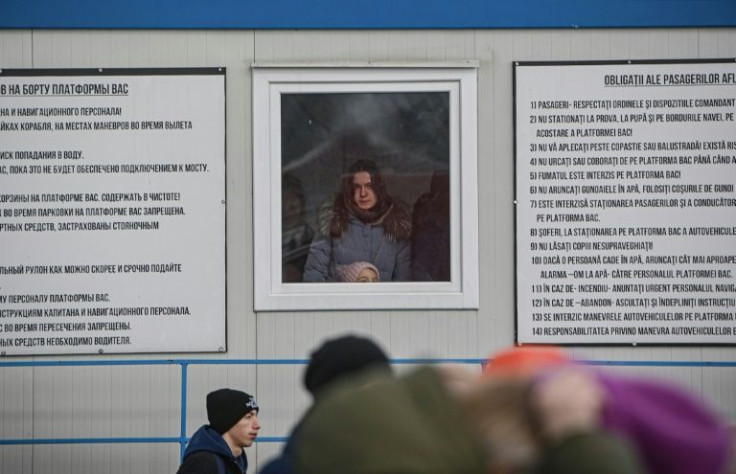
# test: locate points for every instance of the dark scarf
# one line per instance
(395, 221)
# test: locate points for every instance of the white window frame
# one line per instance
(269, 82)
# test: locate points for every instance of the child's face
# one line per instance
(367, 275)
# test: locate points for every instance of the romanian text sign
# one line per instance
(112, 214)
(626, 211)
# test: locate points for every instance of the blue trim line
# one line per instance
(86, 440)
(398, 361)
(17, 442)
(272, 439)
(363, 14)
(183, 440)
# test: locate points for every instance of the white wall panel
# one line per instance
(16, 49)
(144, 401)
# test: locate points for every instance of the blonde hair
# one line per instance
(498, 408)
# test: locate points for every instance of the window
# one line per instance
(365, 166)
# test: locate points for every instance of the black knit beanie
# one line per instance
(225, 407)
(340, 357)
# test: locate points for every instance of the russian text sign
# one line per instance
(112, 215)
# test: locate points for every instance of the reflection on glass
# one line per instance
(365, 178)
(296, 234)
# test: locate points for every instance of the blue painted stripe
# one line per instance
(183, 440)
(16, 442)
(86, 440)
(362, 14)
(272, 439)
(398, 361)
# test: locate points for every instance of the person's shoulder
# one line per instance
(397, 221)
(331, 211)
(591, 452)
(200, 462)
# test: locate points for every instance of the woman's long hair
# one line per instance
(394, 220)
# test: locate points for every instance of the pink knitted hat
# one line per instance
(350, 272)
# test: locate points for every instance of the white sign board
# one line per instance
(112, 211)
(625, 203)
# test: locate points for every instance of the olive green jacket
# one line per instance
(412, 425)
(409, 425)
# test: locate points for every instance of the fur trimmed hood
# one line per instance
(334, 217)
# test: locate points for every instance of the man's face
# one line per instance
(245, 431)
(363, 193)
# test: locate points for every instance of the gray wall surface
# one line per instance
(66, 402)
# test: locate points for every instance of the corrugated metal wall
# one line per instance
(65, 402)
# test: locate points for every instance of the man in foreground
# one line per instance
(335, 362)
(217, 448)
